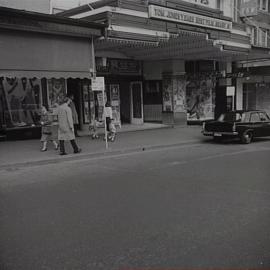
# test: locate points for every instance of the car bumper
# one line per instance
(219, 134)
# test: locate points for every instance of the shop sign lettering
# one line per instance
(188, 18)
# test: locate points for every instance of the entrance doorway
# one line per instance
(136, 95)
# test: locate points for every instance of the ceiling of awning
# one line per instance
(45, 74)
(185, 45)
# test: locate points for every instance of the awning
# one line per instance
(42, 56)
(185, 45)
(46, 74)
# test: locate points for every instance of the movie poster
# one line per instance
(115, 103)
(179, 93)
(23, 99)
(167, 95)
(200, 98)
(56, 90)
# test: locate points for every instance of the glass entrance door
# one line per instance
(136, 102)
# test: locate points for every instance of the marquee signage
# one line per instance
(188, 18)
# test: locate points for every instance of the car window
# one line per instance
(263, 116)
(231, 117)
(255, 117)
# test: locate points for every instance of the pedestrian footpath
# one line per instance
(27, 152)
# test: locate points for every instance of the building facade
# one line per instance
(174, 62)
(42, 58)
(254, 89)
(188, 52)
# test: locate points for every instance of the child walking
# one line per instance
(109, 122)
(48, 130)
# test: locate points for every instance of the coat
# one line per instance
(65, 121)
(74, 113)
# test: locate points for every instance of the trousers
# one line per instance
(73, 144)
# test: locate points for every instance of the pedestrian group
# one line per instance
(60, 124)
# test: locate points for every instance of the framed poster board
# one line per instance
(57, 89)
(115, 103)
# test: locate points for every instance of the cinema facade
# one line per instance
(173, 61)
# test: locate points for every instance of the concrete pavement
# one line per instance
(27, 152)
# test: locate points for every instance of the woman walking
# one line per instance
(66, 128)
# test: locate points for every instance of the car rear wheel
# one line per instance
(246, 137)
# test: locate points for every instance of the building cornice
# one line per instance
(13, 19)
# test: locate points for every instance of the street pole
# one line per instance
(105, 124)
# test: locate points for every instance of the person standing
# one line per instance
(66, 127)
(74, 115)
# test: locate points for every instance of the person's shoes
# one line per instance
(43, 149)
(78, 151)
(63, 154)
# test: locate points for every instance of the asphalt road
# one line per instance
(200, 205)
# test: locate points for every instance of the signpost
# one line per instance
(98, 84)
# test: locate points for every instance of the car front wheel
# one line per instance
(246, 137)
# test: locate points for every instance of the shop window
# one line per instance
(152, 92)
(263, 5)
(262, 37)
(21, 100)
(249, 96)
(259, 36)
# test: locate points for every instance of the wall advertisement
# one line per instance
(179, 93)
(200, 98)
(115, 103)
(56, 90)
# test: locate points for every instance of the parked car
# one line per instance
(244, 125)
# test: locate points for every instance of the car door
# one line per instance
(256, 124)
(265, 124)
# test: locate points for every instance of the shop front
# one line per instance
(254, 90)
(42, 59)
(124, 89)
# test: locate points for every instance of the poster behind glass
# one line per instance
(21, 99)
(56, 91)
(200, 98)
(89, 103)
(167, 95)
(115, 103)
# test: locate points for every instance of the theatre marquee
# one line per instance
(179, 16)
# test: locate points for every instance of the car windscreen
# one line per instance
(231, 117)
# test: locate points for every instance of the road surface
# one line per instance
(190, 206)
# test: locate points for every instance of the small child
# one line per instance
(112, 132)
(93, 128)
(47, 131)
